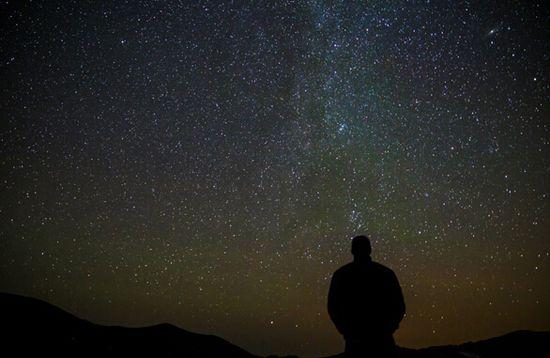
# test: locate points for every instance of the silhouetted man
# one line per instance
(365, 303)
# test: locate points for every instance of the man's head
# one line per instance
(360, 247)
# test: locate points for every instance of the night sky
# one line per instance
(206, 164)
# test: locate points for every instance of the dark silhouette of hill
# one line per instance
(32, 327)
(518, 344)
(514, 344)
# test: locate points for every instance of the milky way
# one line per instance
(206, 164)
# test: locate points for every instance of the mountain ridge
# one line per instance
(37, 327)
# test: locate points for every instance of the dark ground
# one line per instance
(35, 328)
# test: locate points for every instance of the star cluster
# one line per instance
(205, 163)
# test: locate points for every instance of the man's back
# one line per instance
(365, 303)
(365, 299)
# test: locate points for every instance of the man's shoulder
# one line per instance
(372, 266)
(382, 269)
(379, 266)
(346, 268)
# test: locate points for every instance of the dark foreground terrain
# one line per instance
(31, 327)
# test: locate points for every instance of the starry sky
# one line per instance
(206, 163)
